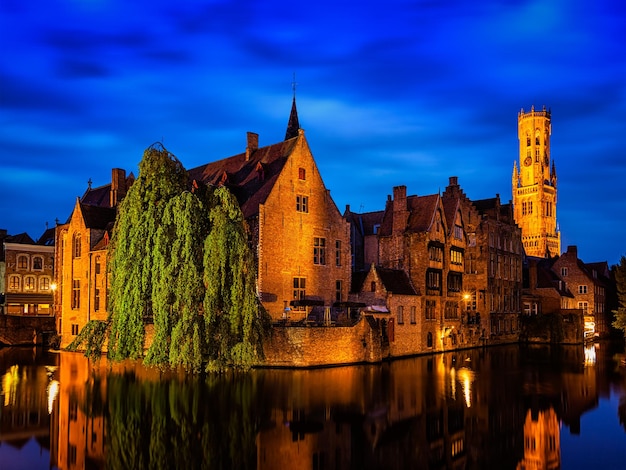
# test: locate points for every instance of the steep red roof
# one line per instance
(251, 180)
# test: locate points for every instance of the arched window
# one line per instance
(44, 284)
(14, 283)
(76, 245)
(429, 340)
(29, 283)
(22, 262)
(537, 140)
(37, 263)
(527, 140)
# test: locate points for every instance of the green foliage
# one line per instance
(161, 177)
(619, 272)
(234, 318)
(182, 260)
(92, 336)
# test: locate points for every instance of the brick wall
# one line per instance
(16, 331)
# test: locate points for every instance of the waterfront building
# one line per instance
(301, 240)
(534, 185)
(81, 256)
(588, 283)
(27, 274)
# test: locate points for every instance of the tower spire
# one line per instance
(293, 125)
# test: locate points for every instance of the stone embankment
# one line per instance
(25, 331)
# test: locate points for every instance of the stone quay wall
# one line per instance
(21, 331)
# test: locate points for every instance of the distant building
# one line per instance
(27, 269)
(534, 186)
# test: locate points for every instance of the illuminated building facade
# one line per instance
(28, 274)
(534, 186)
(81, 256)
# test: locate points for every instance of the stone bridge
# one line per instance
(21, 331)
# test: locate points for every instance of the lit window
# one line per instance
(456, 256)
(302, 203)
(44, 283)
(319, 251)
(22, 262)
(29, 283)
(299, 290)
(14, 283)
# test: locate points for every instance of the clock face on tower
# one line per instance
(528, 161)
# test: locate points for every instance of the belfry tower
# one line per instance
(534, 185)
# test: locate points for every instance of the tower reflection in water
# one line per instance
(472, 409)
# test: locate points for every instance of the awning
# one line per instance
(22, 298)
(306, 303)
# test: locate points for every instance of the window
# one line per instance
(527, 141)
(582, 289)
(74, 329)
(22, 262)
(37, 263)
(302, 203)
(430, 309)
(455, 282)
(433, 281)
(319, 251)
(537, 140)
(451, 310)
(563, 272)
(373, 286)
(400, 315)
(76, 245)
(29, 283)
(456, 256)
(337, 252)
(429, 340)
(97, 267)
(435, 252)
(44, 283)
(458, 232)
(299, 289)
(583, 306)
(376, 228)
(96, 300)
(413, 314)
(338, 290)
(76, 293)
(14, 283)
(301, 173)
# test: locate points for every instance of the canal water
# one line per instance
(513, 407)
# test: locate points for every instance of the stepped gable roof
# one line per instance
(47, 238)
(95, 217)
(251, 180)
(365, 221)
(22, 238)
(100, 196)
(396, 281)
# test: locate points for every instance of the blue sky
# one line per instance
(389, 93)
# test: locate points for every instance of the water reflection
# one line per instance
(496, 408)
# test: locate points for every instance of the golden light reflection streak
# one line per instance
(466, 376)
(10, 380)
(53, 391)
(590, 355)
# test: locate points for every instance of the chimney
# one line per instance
(454, 181)
(573, 250)
(118, 186)
(400, 212)
(252, 144)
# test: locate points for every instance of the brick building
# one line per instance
(301, 240)
(27, 274)
(81, 256)
(588, 282)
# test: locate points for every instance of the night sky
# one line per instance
(396, 93)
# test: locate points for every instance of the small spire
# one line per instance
(89, 183)
(293, 125)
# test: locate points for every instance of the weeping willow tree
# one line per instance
(234, 318)
(182, 259)
(131, 263)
